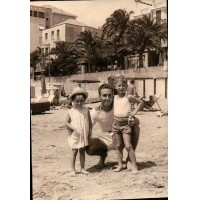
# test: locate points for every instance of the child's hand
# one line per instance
(132, 114)
(133, 121)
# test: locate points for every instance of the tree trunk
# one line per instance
(125, 62)
(122, 62)
(89, 67)
(112, 66)
(140, 61)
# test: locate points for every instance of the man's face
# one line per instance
(106, 97)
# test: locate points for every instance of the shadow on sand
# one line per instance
(144, 165)
(108, 166)
(113, 165)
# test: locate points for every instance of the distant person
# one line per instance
(131, 89)
(102, 115)
(79, 124)
(121, 128)
(56, 98)
(148, 103)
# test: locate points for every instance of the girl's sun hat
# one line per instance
(78, 90)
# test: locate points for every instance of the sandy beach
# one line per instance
(51, 162)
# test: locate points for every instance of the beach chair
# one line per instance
(151, 102)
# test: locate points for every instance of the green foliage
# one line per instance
(90, 48)
(145, 34)
(35, 57)
(65, 59)
(114, 32)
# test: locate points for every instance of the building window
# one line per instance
(46, 36)
(52, 35)
(30, 12)
(158, 15)
(35, 13)
(46, 51)
(41, 15)
(58, 35)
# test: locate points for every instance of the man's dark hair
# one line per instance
(104, 86)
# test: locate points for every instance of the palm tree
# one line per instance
(145, 34)
(114, 31)
(88, 45)
(65, 58)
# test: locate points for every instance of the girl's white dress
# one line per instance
(80, 121)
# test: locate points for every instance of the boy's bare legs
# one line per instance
(131, 153)
(73, 159)
(134, 140)
(82, 160)
(119, 150)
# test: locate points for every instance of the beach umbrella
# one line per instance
(43, 85)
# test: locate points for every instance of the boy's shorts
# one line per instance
(120, 126)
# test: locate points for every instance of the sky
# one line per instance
(94, 13)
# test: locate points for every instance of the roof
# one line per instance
(58, 11)
(73, 22)
(38, 8)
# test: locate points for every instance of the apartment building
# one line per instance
(68, 31)
(37, 24)
(44, 17)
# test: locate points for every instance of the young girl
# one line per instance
(79, 123)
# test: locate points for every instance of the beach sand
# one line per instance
(51, 162)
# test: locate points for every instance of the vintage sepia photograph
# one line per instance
(99, 99)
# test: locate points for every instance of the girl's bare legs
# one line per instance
(119, 150)
(73, 159)
(82, 160)
(131, 153)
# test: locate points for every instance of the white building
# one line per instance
(159, 12)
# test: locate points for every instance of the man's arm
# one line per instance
(93, 116)
(133, 99)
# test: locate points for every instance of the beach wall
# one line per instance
(149, 81)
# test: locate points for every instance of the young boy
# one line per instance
(121, 129)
